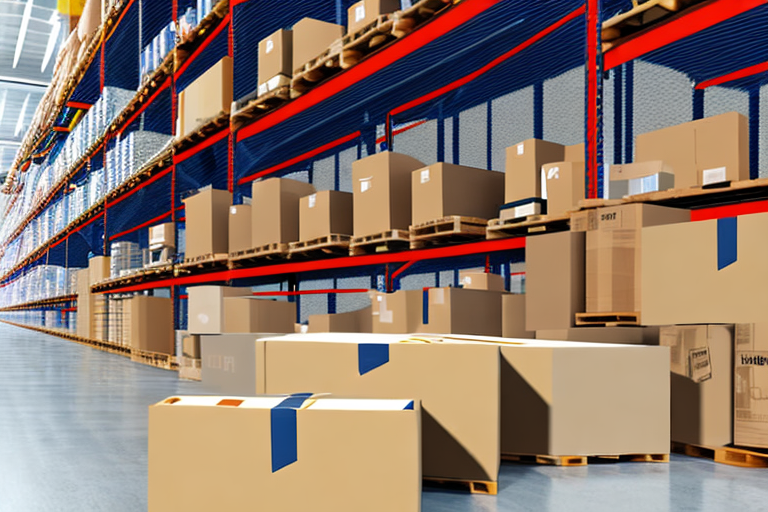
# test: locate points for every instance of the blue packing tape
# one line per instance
(284, 431)
(727, 242)
(371, 355)
(425, 307)
(409, 407)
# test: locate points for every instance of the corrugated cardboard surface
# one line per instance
(441, 190)
(205, 306)
(522, 175)
(554, 280)
(232, 364)
(473, 280)
(239, 227)
(311, 38)
(624, 335)
(513, 316)
(249, 314)
(218, 457)
(190, 346)
(328, 212)
(207, 223)
(397, 313)
(682, 284)
(458, 386)
(382, 192)
(638, 170)
(676, 146)
(365, 12)
(98, 269)
(275, 210)
(206, 97)
(463, 311)
(278, 60)
(701, 364)
(565, 186)
(84, 303)
(750, 413)
(353, 321)
(723, 141)
(151, 324)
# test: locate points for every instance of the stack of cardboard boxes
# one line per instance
(207, 224)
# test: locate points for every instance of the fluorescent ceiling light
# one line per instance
(52, 39)
(2, 104)
(20, 122)
(22, 31)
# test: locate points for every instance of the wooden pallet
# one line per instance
(269, 251)
(162, 361)
(732, 456)
(532, 224)
(393, 240)
(251, 108)
(582, 460)
(333, 245)
(209, 127)
(607, 319)
(446, 230)
(206, 260)
(641, 16)
(454, 484)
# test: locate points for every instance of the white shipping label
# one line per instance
(385, 315)
(203, 318)
(233, 210)
(543, 179)
(710, 176)
(526, 210)
(359, 13)
(270, 46)
(263, 89)
(467, 281)
(312, 200)
(553, 173)
(437, 296)
(273, 82)
(365, 184)
(520, 149)
(699, 364)
(425, 175)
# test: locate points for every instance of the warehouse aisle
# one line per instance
(73, 438)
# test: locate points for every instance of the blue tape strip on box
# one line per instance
(284, 431)
(425, 306)
(727, 242)
(371, 355)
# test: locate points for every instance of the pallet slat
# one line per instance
(582, 460)
(533, 224)
(608, 319)
(473, 486)
(392, 240)
(732, 456)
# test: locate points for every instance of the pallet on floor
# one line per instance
(268, 251)
(162, 361)
(332, 245)
(472, 486)
(741, 457)
(392, 240)
(608, 319)
(450, 229)
(524, 226)
(582, 460)
(204, 261)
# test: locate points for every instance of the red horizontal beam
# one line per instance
(122, 15)
(308, 292)
(690, 23)
(208, 142)
(142, 225)
(401, 130)
(452, 19)
(135, 189)
(736, 75)
(79, 104)
(222, 25)
(729, 210)
(146, 105)
(333, 264)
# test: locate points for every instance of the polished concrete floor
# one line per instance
(73, 437)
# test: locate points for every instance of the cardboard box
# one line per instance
(151, 320)
(366, 12)
(565, 186)
(206, 97)
(98, 269)
(513, 316)
(442, 190)
(462, 311)
(231, 364)
(676, 147)
(653, 183)
(205, 306)
(353, 321)
(275, 57)
(207, 224)
(575, 153)
(701, 365)
(215, 453)
(555, 272)
(750, 407)
(190, 346)
(397, 313)
(240, 228)
(473, 280)
(275, 210)
(622, 172)
(614, 245)
(623, 335)
(523, 208)
(249, 314)
(311, 38)
(709, 271)
(382, 192)
(522, 174)
(722, 148)
(163, 235)
(324, 213)
(457, 384)
(84, 303)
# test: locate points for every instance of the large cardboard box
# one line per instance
(442, 190)
(205, 306)
(574, 153)
(382, 192)
(565, 186)
(397, 313)
(237, 454)
(474, 280)
(365, 12)
(709, 271)
(231, 364)
(513, 316)
(457, 384)
(275, 58)
(624, 335)
(84, 303)
(206, 97)
(324, 213)
(701, 365)
(352, 321)
(311, 38)
(98, 269)
(676, 147)
(207, 224)
(462, 311)
(249, 314)
(554, 281)
(190, 346)
(275, 210)
(240, 228)
(570, 398)
(722, 148)
(522, 174)
(163, 235)
(614, 244)
(750, 407)
(151, 320)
